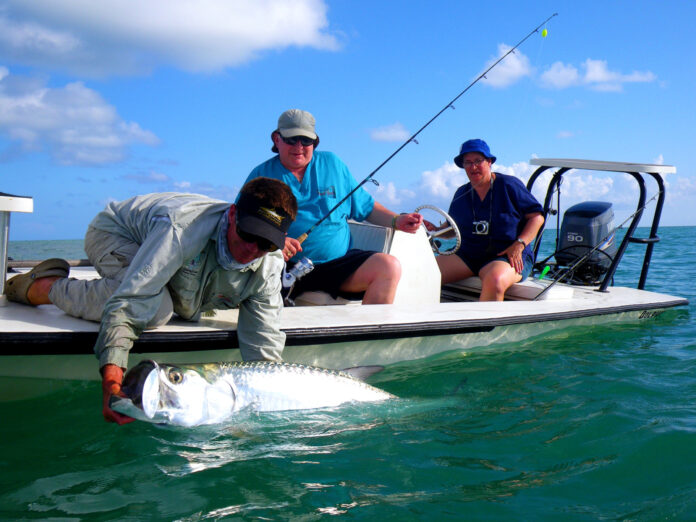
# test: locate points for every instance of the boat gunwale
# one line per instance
(81, 343)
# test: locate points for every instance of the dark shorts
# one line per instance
(477, 262)
(329, 276)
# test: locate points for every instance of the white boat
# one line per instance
(425, 320)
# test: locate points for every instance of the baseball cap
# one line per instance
(256, 217)
(296, 122)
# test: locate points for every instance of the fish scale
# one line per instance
(277, 387)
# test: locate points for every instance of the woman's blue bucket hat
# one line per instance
(474, 145)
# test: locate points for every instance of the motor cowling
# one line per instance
(587, 226)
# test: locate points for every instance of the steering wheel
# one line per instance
(432, 236)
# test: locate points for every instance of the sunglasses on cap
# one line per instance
(261, 242)
(304, 140)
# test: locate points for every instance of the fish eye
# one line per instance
(175, 376)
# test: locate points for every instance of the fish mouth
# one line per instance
(175, 395)
(141, 386)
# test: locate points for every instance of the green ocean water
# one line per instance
(579, 424)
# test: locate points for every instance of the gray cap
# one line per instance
(296, 123)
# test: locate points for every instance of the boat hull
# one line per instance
(346, 338)
(40, 347)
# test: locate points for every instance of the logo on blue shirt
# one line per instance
(327, 191)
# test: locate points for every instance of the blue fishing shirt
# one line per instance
(504, 208)
(326, 181)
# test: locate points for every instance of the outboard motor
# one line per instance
(587, 226)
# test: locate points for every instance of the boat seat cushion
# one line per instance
(524, 290)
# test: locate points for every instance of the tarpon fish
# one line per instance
(195, 394)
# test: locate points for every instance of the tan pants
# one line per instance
(111, 256)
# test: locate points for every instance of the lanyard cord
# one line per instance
(490, 202)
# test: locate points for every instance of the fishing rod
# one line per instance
(601, 242)
(412, 138)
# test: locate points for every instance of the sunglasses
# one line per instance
(261, 242)
(304, 140)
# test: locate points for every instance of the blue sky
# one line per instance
(106, 100)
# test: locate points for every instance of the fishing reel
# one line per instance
(436, 237)
(289, 277)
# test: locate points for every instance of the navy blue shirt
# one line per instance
(504, 208)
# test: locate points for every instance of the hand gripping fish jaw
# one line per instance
(172, 395)
(137, 382)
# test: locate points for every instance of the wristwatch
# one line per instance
(520, 240)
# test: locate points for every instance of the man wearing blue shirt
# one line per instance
(319, 180)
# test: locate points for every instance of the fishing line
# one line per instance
(525, 101)
(544, 34)
(599, 244)
(413, 137)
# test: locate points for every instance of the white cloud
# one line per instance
(130, 37)
(684, 189)
(521, 170)
(442, 182)
(34, 38)
(394, 132)
(388, 194)
(222, 192)
(596, 71)
(438, 186)
(74, 123)
(587, 187)
(596, 75)
(149, 177)
(165, 183)
(510, 70)
(560, 76)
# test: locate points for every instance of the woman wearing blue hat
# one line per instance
(498, 218)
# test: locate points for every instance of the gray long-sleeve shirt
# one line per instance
(176, 233)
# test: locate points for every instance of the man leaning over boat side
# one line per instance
(173, 252)
(319, 181)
